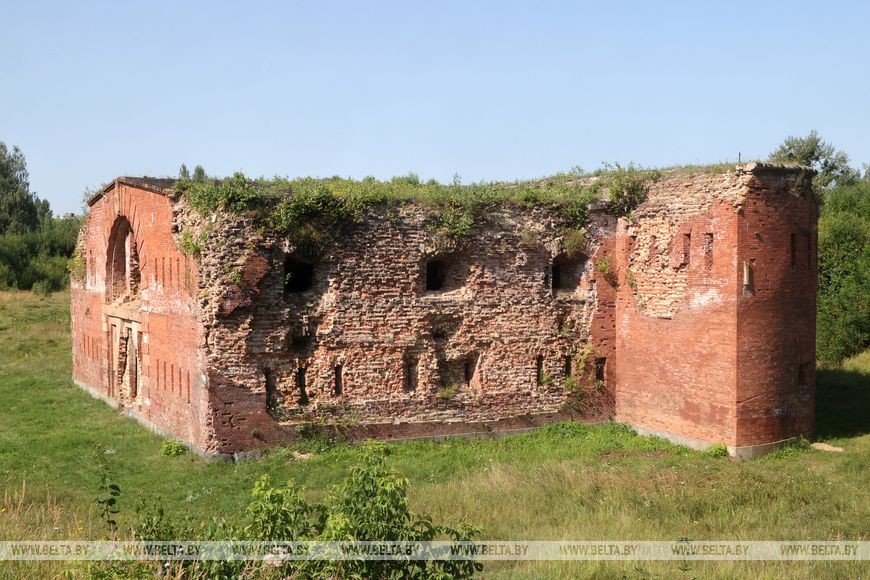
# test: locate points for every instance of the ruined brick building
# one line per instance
(692, 318)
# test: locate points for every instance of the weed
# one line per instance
(604, 266)
(632, 281)
(42, 287)
(447, 392)
(78, 264)
(235, 276)
(575, 242)
(191, 244)
(172, 448)
(310, 210)
(109, 492)
(718, 450)
(627, 186)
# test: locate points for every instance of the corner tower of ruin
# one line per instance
(716, 309)
(691, 317)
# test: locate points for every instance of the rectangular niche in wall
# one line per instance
(600, 368)
(444, 272)
(298, 275)
(458, 372)
(410, 374)
(338, 384)
(566, 272)
(301, 387)
(708, 251)
(686, 258)
(434, 275)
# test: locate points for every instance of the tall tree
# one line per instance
(184, 173)
(199, 174)
(831, 164)
(18, 211)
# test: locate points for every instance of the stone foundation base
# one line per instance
(739, 453)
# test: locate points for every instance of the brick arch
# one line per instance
(122, 261)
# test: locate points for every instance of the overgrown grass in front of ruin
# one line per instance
(567, 481)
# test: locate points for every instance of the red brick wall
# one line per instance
(699, 357)
(676, 315)
(777, 312)
(689, 351)
(368, 311)
(165, 311)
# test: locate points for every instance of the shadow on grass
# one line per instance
(842, 403)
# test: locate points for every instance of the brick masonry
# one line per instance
(703, 330)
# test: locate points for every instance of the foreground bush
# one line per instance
(370, 505)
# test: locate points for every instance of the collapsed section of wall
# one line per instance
(676, 312)
(401, 333)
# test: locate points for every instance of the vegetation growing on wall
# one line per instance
(312, 210)
(627, 186)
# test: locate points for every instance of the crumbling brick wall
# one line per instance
(694, 347)
(368, 344)
(694, 316)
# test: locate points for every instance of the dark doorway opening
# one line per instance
(434, 275)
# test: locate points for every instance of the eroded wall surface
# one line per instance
(369, 345)
(702, 356)
(694, 317)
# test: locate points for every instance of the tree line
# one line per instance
(35, 246)
(843, 311)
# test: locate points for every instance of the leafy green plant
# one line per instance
(235, 276)
(108, 491)
(306, 430)
(843, 320)
(632, 280)
(172, 448)
(546, 378)
(627, 186)
(575, 241)
(572, 386)
(191, 244)
(41, 288)
(281, 513)
(310, 210)
(78, 265)
(718, 450)
(789, 450)
(604, 266)
(447, 392)
(372, 504)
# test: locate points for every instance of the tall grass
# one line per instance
(566, 481)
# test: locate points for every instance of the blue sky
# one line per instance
(488, 90)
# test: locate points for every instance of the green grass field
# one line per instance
(564, 482)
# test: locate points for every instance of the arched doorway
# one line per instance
(122, 261)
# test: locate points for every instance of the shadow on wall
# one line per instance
(842, 403)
